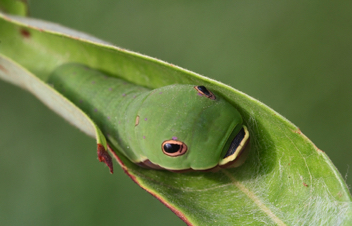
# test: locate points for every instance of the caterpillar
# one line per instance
(176, 127)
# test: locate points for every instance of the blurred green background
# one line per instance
(295, 56)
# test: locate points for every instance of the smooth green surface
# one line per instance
(207, 129)
(279, 52)
(18, 7)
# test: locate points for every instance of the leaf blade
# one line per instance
(286, 179)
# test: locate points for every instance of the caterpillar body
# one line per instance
(176, 127)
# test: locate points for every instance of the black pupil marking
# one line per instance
(204, 90)
(171, 148)
(235, 143)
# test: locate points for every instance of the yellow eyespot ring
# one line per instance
(173, 148)
(204, 91)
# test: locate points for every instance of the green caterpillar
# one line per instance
(176, 127)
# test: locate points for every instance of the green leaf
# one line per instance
(17, 7)
(286, 180)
